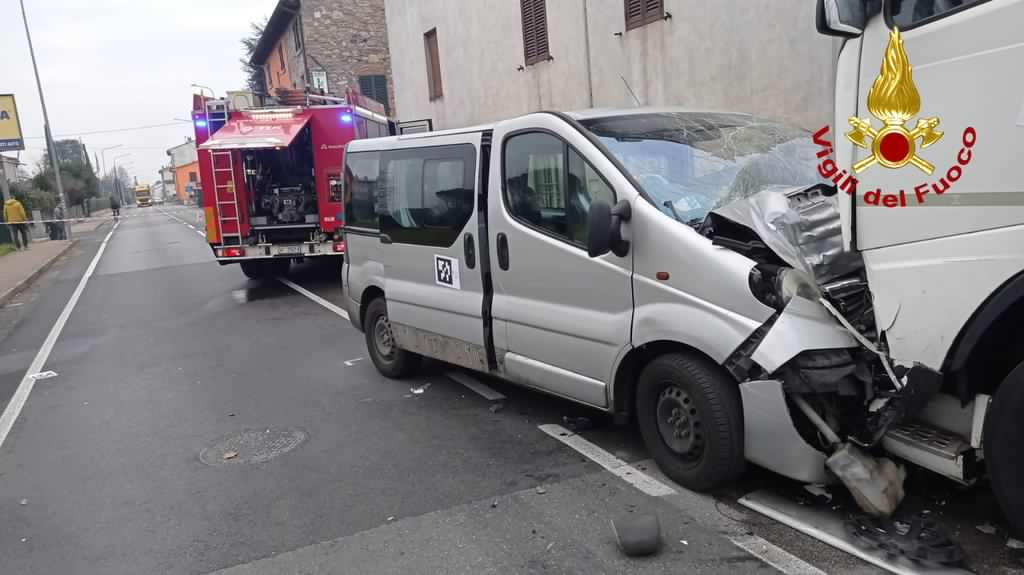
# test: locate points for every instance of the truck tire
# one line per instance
(690, 415)
(254, 269)
(391, 361)
(1003, 436)
(263, 269)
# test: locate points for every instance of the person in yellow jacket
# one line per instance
(16, 220)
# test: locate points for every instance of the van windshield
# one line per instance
(689, 163)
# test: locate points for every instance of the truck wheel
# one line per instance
(279, 267)
(1003, 437)
(391, 361)
(254, 269)
(690, 415)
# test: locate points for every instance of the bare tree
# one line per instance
(254, 73)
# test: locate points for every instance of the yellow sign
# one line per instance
(10, 126)
(894, 99)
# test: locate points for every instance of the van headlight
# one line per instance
(776, 286)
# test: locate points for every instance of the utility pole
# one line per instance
(50, 147)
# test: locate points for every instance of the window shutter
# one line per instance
(641, 12)
(535, 30)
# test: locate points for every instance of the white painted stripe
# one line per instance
(775, 556)
(756, 546)
(314, 297)
(616, 466)
(201, 233)
(488, 393)
(20, 397)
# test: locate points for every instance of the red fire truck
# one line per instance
(272, 177)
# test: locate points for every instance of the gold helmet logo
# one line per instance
(894, 99)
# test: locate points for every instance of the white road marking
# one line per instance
(476, 385)
(732, 530)
(201, 233)
(43, 375)
(616, 466)
(314, 297)
(352, 361)
(775, 556)
(20, 397)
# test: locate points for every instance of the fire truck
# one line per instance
(272, 176)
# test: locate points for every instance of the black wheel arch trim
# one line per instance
(995, 305)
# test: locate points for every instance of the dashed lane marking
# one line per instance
(476, 385)
(314, 297)
(20, 397)
(770, 553)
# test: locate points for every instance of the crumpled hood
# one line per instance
(800, 225)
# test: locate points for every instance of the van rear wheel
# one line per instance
(691, 418)
(1003, 437)
(391, 360)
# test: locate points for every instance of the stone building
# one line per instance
(328, 46)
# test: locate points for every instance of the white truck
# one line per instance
(928, 125)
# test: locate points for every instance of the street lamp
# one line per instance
(46, 121)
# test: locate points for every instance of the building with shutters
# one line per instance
(327, 46)
(494, 59)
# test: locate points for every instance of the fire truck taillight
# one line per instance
(339, 246)
(232, 253)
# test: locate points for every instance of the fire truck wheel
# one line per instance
(391, 361)
(1003, 437)
(690, 415)
(254, 269)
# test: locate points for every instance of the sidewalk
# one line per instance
(19, 269)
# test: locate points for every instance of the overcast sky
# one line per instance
(115, 64)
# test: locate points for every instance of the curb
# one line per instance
(25, 283)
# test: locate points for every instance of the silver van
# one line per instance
(658, 264)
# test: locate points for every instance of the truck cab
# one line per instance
(941, 234)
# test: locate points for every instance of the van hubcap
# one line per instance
(383, 337)
(679, 423)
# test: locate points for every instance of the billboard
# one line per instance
(10, 126)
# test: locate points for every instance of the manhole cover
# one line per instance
(253, 446)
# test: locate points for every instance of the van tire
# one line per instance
(680, 393)
(391, 361)
(1003, 436)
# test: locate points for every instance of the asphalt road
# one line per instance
(201, 422)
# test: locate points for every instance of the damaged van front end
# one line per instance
(822, 346)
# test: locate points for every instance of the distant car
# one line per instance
(158, 202)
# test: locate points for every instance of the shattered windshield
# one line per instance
(689, 163)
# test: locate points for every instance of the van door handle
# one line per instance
(470, 249)
(503, 251)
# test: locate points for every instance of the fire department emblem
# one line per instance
(893, 99)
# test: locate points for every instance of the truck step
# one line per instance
(934, 449)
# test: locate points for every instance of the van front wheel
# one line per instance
(691, 418)
(391, 360)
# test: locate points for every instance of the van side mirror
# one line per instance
(844, 18)
(604, 228)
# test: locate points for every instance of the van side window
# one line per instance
(549, 185)
(429, 194)
(362, 171)
(909, 13)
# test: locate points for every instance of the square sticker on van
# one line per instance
(446, 272)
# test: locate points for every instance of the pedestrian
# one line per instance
(115, 205)
(58, 226)
(14, 216)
